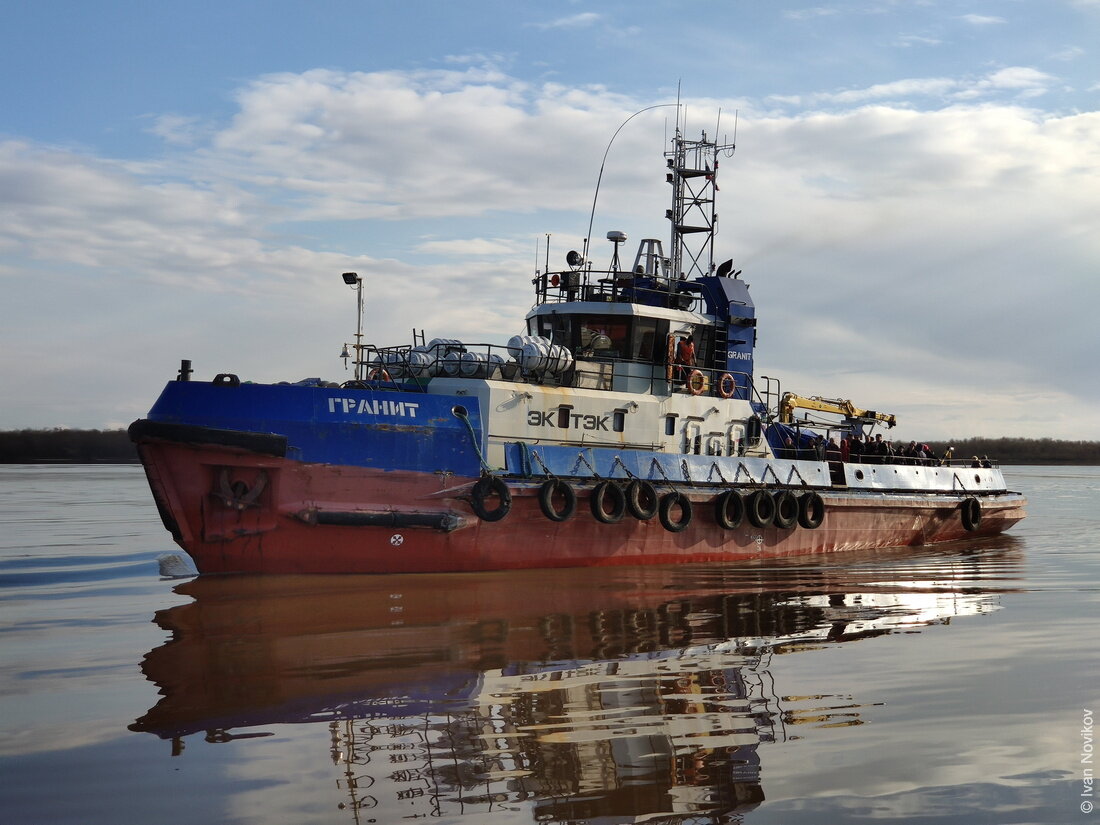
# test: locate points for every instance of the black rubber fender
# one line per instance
(604, 493)
(760, 508)
(551, 488)
(971, 514)
(485, 487)
(786, 509)
(664, 511)
(811, 510)
(729, 510)
(642, 500)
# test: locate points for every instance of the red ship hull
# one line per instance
(236, 511)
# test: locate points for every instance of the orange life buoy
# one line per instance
(726, 385)
(696, 382)
(378, 373)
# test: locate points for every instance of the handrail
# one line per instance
(396, 368)
(615, 286)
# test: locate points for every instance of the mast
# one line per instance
(693, 172)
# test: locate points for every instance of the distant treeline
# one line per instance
(114, 447)
(1023, 450)
(66, 447)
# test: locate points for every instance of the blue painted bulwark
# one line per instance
(329, 425)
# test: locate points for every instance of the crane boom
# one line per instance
(791, 401)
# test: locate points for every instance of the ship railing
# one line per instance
(407, 368)
(608, 372)
(410, 368)
(715, 382)
(913, 461)
(615, 286)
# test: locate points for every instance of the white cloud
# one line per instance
(898, 89)
(982, 19)
(471, 246)
(810, 13)
(449, 138)
(575, 21)
(1024, 81)
(181, 130)
(1068, 53)
(1018, 77)
(897, 256)
(907, 40)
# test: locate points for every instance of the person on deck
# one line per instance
(788, 449)
(819, 448)
(912, 453)
(685, 357)
(877, 449)
(855, 449)
(889, 455)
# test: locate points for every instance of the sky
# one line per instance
(914, 198)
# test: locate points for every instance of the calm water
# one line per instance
(936, 686)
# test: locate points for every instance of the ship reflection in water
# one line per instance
(625, 695)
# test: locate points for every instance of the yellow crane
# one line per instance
(790, 402)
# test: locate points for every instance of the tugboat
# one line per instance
(625, 426)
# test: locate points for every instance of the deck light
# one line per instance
(352, 279)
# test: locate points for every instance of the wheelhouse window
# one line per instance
(604, 335)
(650, 340)
(624, 337)
(555, 327)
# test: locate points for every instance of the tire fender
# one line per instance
(729, 510)
(485, 487)
(811, 510)
(604, 493)
(548, 490)
(642, 500)
(664, 512)
(760, 508)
